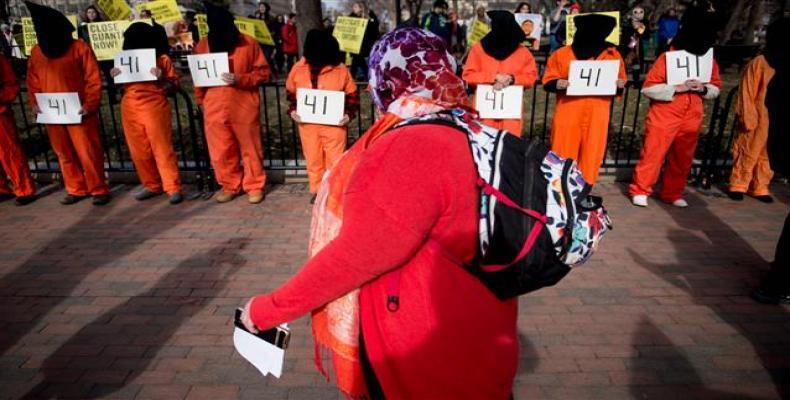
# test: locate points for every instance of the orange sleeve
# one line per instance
(748, 95)
(92, 79)
(33, 80)
(260, 70)
(556, 68)
(475, 71)
(528, 73)
(715, 79)
(9, 86)
(351, 86)
(621, 75)
(658, 72)
(168, 70)
(290, 82)
(200, 92)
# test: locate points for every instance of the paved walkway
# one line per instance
(134, 300)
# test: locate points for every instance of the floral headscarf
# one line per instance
(412, 61)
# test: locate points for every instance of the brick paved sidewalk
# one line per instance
(134, 300)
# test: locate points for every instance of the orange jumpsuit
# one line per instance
(13, 162)
(672, 128)
(580, 125)
(146, 119)
(323, 145)
(232, 119)
(750, 170)
(480, 69)
(78, 146)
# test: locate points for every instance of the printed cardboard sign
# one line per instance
(349, 32)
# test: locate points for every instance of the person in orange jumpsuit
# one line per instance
(146, 118)
(580, 125)
(500, 59)
(59, 63)
(13, 163)
(232, 112)
(674, 118)
(751, 171)
(322, 68)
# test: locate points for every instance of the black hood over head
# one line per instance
(589, 41)
(322, 49)
(776, 40)
(53, 29)
(223, 35)
(505, 35)
(140, 35)
(697, 33)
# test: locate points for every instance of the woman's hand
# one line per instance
(245, 318)
(115, 72)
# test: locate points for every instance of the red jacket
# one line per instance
(451, 338)
(290, 39)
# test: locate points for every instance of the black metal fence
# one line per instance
(282, 149)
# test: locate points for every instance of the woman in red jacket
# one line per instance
(290, 38)
(380, 216)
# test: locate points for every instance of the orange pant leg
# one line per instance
(334, 141)
(750, 170)
(762, 175)
(592, 148)
(225, 155)
(140, 150)
(70, 167)
(87, 145)
(680, 158)
(566, 131)
(160, 134)
(13, 162)
(249, 139)
(660, 132)
(149, 134)
(512, 126)
(313, 154)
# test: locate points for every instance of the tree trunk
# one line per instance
(735, 19)
(309, 17)
(755, 15)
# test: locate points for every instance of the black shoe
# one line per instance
(25, 200)
(312, 199)
(145, 194)
(770, 297)
(6, 196)
(101, 200)
(176, 198)
(737, 196)
(70, 199)
(767, 199)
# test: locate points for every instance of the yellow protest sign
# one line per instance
(116, 10)
(349, 32)
(613, 38)
(29, 32)
(163, 11)
(107, 38)
(202, 25)
(256, 28)
(478, 31)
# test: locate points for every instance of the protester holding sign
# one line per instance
(232, 112)
(13, 163)
(751, 170)
(675, 115)
(501, 60)
(146, 118)
(59, 64)
(581, 123)
(322, 68)
(359, 61)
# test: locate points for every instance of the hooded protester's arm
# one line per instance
(655, 86)
(352, 96)
(552, 73)
(258, 74)
(33, 81)
(290, 89)
(169, 73)
(746, 103)
(475, 72)
(526, 75)
(92, 80)
(200, 92)
(713, 87)
(382, 228)
(9, 87)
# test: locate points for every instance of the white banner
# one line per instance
(683, 66)
(207, 69)
(58, 108)
(135, 65)
(593, 78)
(325, 107)
(499, 104)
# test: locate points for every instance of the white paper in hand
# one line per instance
(593, 78)
(266, 357)
(499, 104)
(683, 66)
(58, 108)
(207, 69)
(135, 65)
(325, 107)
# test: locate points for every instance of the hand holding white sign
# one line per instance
(683, 66)
(499, 104)
(135, 66)
(58, 108)
(593, 78)
(325, 107)
(207, 69)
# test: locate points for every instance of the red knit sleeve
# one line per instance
(390, 207)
